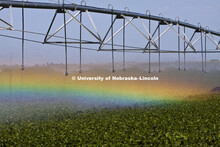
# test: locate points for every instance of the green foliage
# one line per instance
(190, 123)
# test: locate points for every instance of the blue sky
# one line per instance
(203, 11)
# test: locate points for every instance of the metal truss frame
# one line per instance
(153, 39)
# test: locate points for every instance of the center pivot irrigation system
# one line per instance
(153, 42)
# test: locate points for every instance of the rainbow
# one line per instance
(46, 84)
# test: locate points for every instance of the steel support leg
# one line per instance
(112, 33)
(202, 52)
(179, 47)
(64, 19)
(184, 64)
(80, 45)
(149, 66)
(159, 46)
(22, 64)
(205, 53)
(124, 45)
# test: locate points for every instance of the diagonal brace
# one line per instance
(93, 24)
(138, 30)
(116, 33)
(85, 27)
(151, 38)
(180, 35)
(203, 34)
(163, 32)
(62, 26)
(190, 40)
(214, 41)
(108, 32)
